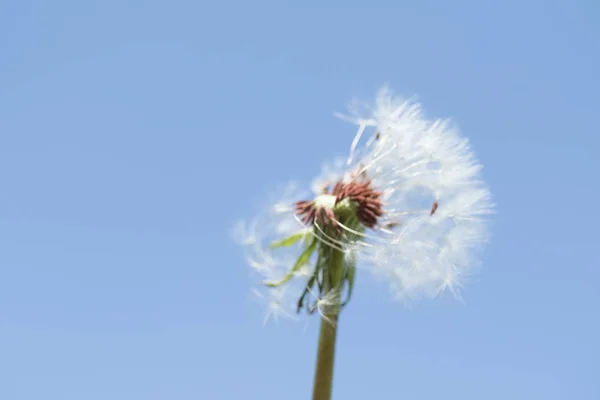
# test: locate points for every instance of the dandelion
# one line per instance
(408, 204)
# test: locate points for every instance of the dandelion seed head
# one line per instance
(408, 204)
(433, 195)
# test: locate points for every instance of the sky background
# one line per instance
(133, 134)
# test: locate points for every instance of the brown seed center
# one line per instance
(367, 201)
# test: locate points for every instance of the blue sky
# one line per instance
(133, 134)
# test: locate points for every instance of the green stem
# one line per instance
(326, 352)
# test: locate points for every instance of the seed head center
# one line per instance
(355, 198)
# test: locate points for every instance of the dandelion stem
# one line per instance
(327, 337)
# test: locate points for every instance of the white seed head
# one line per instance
(416, 163)
(419, 201)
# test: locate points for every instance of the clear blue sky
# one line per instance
(132, 135)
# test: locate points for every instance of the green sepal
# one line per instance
(349, 276)
(289, 241)
(309, 285)
(303, 259)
